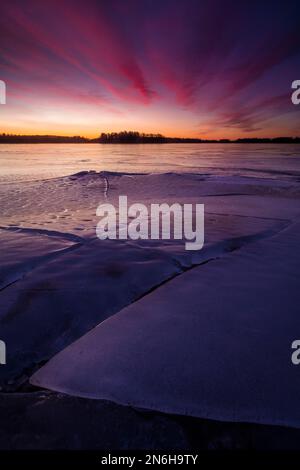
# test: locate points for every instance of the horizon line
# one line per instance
(136, 137)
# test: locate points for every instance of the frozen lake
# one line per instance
(33, 161)
(67, 298)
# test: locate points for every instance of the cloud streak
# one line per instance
(215, 60)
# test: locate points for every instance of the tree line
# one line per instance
(134, 137)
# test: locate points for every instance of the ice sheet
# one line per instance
(60, 281)
(215, 342)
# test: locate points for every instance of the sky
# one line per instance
(203, 68)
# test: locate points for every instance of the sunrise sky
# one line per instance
(208, 69)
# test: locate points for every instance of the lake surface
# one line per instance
(35, 161)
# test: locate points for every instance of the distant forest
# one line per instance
(133, 137)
